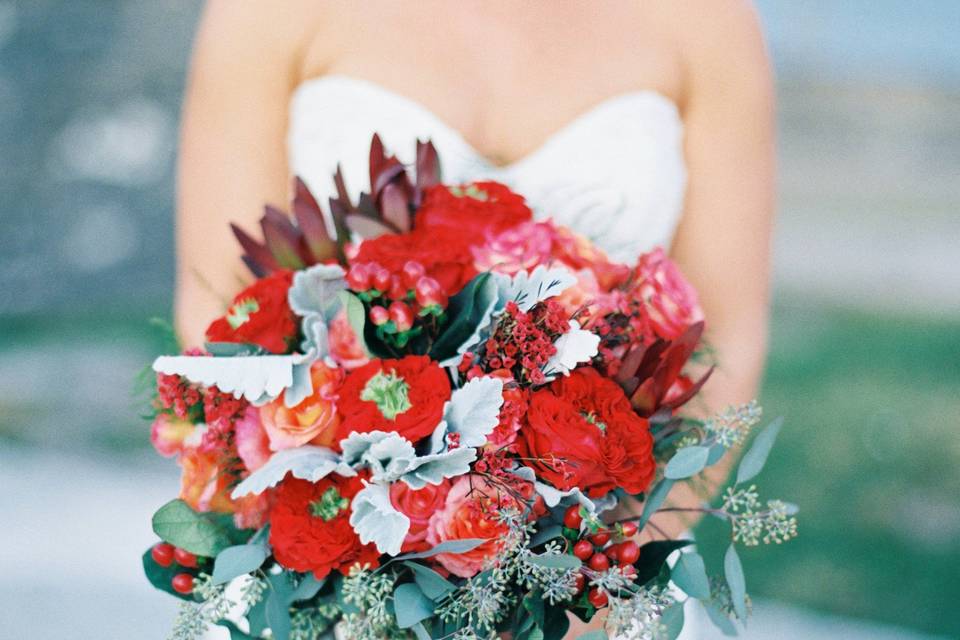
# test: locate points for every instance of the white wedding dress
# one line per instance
(615, 174)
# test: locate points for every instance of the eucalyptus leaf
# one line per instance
(238, 560)
(753, 460)
(653, 555)
(672, 621)
(545, 535)
(686, 462)
(411, 605)
(278, 605)
(716, 453)
(308, 587)
(555, 561)
(199, 533)
(433, 585)
(690, 575)
(235, 632)
(462, 545)
(593, 635)
(733, 572)
(720, 619)
(420, 631)
(654, 501)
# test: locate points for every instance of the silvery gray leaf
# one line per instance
(314, 290)
(474, 410)
(316, 336)
(301, 385)
(388, 455)
(375, 519)
(552, 496)
(433, 468)
(527, 289)
(308, 463)
(573, 348)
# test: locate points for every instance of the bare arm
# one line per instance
(232, 148)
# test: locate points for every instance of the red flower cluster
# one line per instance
(259, 315)
(473, 210)
(176, 393)
(405, 396)
(310, 526)
(582, 432)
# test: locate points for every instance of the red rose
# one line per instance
(418, 505)
(405, 396)
(473, 210)
(259, 315)
(310, 526)
(583, 433)
(443, 252)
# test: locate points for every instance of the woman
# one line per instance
(636, 123)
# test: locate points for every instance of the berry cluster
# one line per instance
(176, 393)
(600, 550)
(522, 343)
(166, 555)
(400, 305)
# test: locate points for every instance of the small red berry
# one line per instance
(581, 582)
(583, 549)
(162, 554)
(185, 558)
(397, 290)
(412, 272)
(401, 315)
(379, 316)
(600, 538)
(599, 562)
(597, 598)
(613, 552)
(629, 529)
(381, 279)
(429, 292)
(629, 552)
(572, 517)
(358, 277)
(182, 583)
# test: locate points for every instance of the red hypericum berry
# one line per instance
(583, 549)
(613, 552)
(358, 277)
(184, 558)
(597, 598)
(401, 315)
(572, 517)
(629, 552)
(412, 272)
(381, 279)
(429, 292)
(580, 583)
(600, 538)
(182, 583)
(599, 562)
(629, 529)
(162, 554)
(397, 289)
(379, 316)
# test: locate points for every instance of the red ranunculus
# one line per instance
(582, 432)
(310, 526)
(259, 315)
(474, 209)
(444, 254)
(418, 505)
(405, 396)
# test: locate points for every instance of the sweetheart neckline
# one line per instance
(571, 125)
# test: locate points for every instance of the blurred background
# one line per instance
(865, 360)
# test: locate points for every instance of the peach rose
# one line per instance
(345, 347)
(470, 511)
(314, 420)
(418, 505)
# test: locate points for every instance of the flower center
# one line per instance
(329, 506)
(389, 392)
(472, 191)
(591, 417)
(240, 312)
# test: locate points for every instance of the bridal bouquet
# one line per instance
(430, 420)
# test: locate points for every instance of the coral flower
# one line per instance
(314, 420)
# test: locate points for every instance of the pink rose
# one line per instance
(169, 434)
(520, 248)
(471, 511)
(345, 347)
(253, 445)
(670, 302)
(418, 505)
(314, 420)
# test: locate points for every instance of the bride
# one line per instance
(636, 123)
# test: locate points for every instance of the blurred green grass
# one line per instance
(869, 450)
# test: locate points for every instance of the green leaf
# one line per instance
(690, 575)
(199, 533)
(161, 577)
(556, 561)
(411, 605)
(733, 572)
(533, 602)
(593, 635)
(238, 560)
(754, 459)
(653, 555)
(420, 631)
(654, 501)
(687, 462)
(556, 623)
(716, 453)
(257, 618)
(356, 316)
(672, 621)
(433, 585)
(309, 586)
(235, 632)
(233, 349)
(278, 605)
(462, 545)
(720, 619)
(545, 535)
(466, 311)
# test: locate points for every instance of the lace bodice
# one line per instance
(615, 174)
